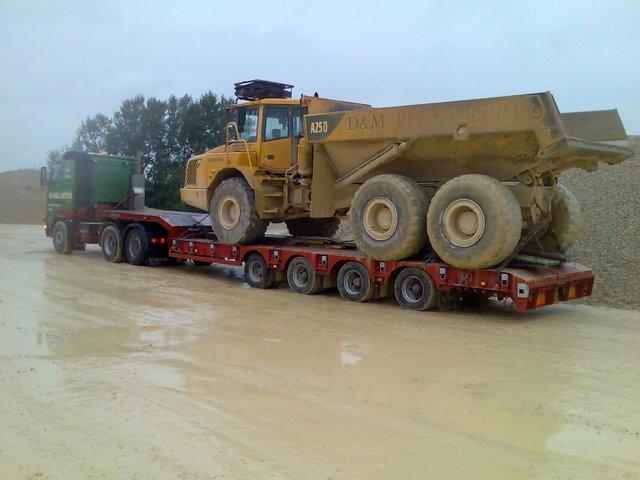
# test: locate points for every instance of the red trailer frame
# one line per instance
(179, 235)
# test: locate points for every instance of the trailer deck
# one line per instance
(187, 236)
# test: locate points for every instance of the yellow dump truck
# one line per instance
(474, 179)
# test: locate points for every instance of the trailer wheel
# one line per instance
(415, 290)
(566, 223)
(61, 241)
(389, 217)
(302, 278)
(233, 213)
(111, 243)
(474, 221)
(313, 227)
(257, 273)
(136, 245)
(354, 282)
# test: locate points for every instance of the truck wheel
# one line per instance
(233, 213)
(257, 273)
(388, 217)
(354, 282)
(136, 245)
(111, 243)
(302, 278)
(313, 227)
(474, 221)
(566, 223)
(415, 290)
(61, 241)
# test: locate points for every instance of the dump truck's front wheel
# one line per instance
(233, 213)
(474, 221)
(388, 217)
(313, 227)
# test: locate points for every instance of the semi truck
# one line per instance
(471, 180)
(95, 198)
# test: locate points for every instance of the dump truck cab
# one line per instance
(272, 127)
(261, 141)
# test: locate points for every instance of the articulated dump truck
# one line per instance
(474, 181)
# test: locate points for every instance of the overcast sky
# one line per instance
(61, 61)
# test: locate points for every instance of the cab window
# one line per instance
(297, 122)
(248, 124)
(55, 173)
(276, 123)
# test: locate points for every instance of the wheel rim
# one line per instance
(301, 276)
(135, 245)
(229, 212)
(380, 218)
(412, 289)
(109, 244)
(256, 271)
(353, 282)
(58, 235)
(463, 222)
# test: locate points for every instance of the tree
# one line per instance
(92, 134)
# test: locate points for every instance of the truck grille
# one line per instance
(192, 172)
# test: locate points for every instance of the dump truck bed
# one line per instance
(500, 137)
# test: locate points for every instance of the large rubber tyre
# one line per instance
(136, 245)
(111, 243)
(62, 242)
(566, 223)
(257, 273)
(354, 282)
(474, 221)
(388, 217)
(302, 278)
(233, 213)
(414, 290)
(313, 227)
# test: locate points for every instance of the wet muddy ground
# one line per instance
(113, 371)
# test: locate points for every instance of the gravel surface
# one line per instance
(610, 240)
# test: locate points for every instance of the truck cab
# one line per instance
(79, 183)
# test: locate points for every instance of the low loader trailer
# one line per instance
(128, 231)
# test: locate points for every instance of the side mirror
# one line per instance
(43, 176)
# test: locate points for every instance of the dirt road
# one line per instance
(113, 371)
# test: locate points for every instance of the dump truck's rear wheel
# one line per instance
(313, 227)
(474, 221)
(233, 213)
(388, 217)
(111, 243)
(62, 242)
(302, 278)
(354, 282)
(414, 289)
(565, 226)
(257, 273)
(136, 245)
